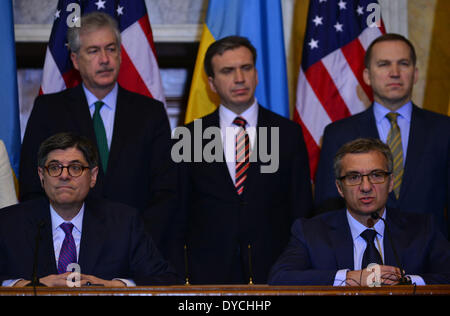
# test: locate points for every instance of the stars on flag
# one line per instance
(100, 4)
(313, 43)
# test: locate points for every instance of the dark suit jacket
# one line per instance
(217, 224)
(426, 180)
(321, 246)
(140, 172)
(114, 243)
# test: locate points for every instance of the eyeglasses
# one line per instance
(374, 177)
(74, 170)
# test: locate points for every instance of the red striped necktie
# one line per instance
(68, 253)
(242, 154)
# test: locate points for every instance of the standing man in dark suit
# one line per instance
(236, 209)
(131, 131)
(336, 248)
(106, 239)
(419, 139)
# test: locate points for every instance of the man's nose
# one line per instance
(365, 185)
(239, 76)
(104, 57)
(394, 71)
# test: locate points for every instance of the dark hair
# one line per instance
(88, 23)
(359, 146)
(222, 45)
(389, 37)
(68, 140)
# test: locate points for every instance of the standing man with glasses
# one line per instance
(336, 248)
(105, 239)
(419, 139)
(131, 131)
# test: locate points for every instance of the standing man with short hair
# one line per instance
(131, 131)
(234, 218)
(419, 139)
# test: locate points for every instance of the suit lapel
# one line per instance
(213, 120)
(123, 119)
(251, 187)
(40, 222)
(92, 236)
(78, 113)
(396, 227)
(341, 240)
(418, 135)
(367, 126)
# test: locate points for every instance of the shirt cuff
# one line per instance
(417, 280)
(341, 278)
(11, 282)
(128, 282)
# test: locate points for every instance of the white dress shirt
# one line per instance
(229, 131)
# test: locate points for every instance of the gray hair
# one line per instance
(91, 22)
(359, 146)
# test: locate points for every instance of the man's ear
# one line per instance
(211, 84)
(94, 174)
(41, 175)
(74, 59)
(366, 76)
(339, 188)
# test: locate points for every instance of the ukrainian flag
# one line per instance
(9, 106)
(262, 23)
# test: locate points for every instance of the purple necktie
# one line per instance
(68, 253)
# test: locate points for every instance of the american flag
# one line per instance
(139, 70)
(330, 83)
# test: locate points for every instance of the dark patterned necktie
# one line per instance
(371, 254)
(100, 134)
(68, 253)
(242, 154)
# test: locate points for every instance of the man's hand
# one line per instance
(389, 275)
(60, 280)
(85, 278)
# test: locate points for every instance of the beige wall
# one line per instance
(429, 30)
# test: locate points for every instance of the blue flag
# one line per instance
(262, 23)
(9, 106)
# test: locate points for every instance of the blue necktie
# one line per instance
(68, 253)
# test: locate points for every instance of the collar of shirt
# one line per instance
(110, 100)
(356, 228)
(250, 115)
(108, 110)
(57, 220)
(403, 121)
(226, 117)
(359, 244)
(58, 233)
(380, 112)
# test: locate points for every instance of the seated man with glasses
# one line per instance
(367, 243)
(45, 240)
